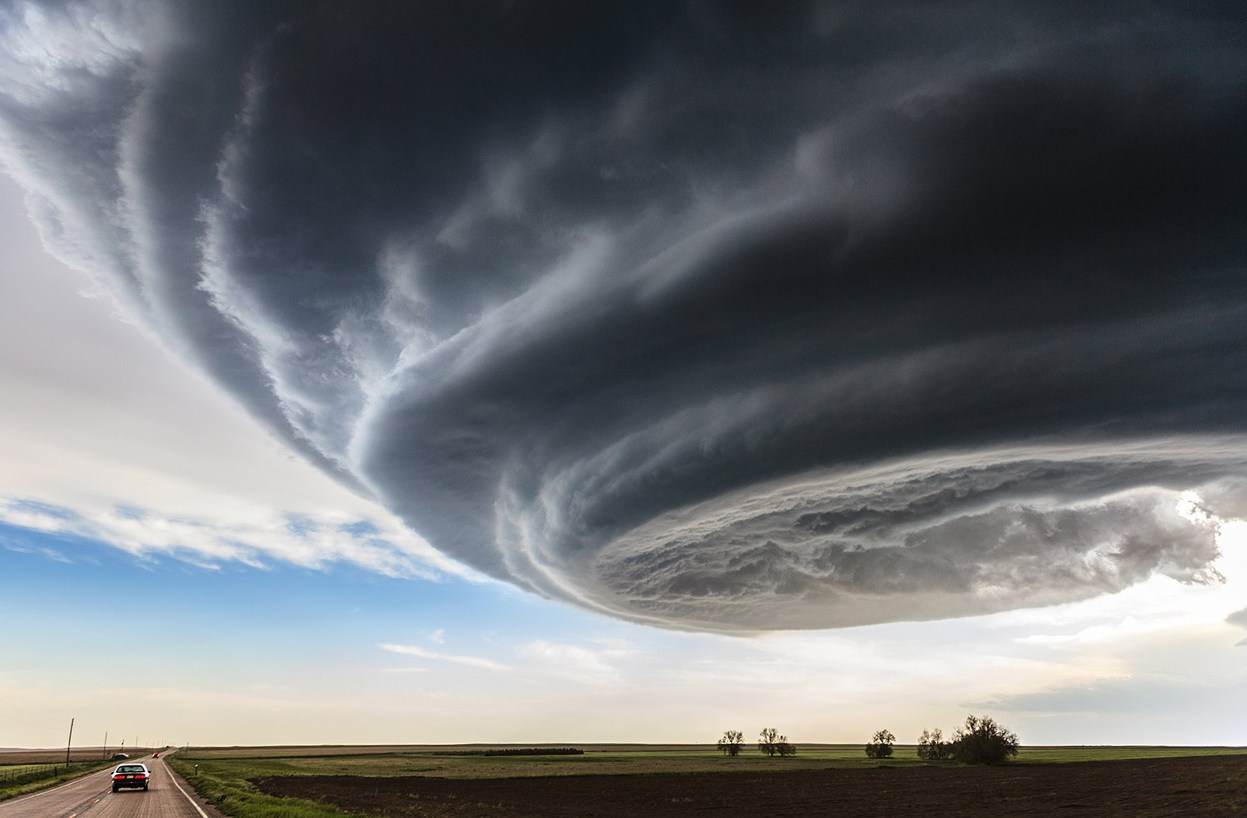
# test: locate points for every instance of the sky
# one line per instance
(567, 372)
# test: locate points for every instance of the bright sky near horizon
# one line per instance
(636, 549)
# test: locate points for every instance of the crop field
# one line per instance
(614, 782)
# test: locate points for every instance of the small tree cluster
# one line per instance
(768, 741)
(880, 745)
(932, 747)
(771, 743)
(981, 740)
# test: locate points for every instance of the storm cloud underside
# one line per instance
(697, 314)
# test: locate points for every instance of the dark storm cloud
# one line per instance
(693, 313)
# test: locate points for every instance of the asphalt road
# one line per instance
(92, 797)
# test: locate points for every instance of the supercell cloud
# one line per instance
(710, 315)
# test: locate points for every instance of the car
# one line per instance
(131, 776)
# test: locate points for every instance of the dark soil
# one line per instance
(1204, 786)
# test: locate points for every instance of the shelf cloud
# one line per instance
(696, 314)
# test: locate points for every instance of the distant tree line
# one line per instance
(981, 740)
(536, 751)
(523, 751)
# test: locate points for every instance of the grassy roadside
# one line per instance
(226, 786)
(21, 779)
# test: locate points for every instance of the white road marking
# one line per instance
(169, 773)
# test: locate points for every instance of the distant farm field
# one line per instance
(613, 782)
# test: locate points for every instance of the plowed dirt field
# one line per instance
(1208, 786)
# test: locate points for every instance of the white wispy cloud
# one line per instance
(258, 539)
(579, 661)
(435, 656)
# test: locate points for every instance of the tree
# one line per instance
(731, 743)
(932, 747)
(772, 743)
(983, 741)
(880, 745)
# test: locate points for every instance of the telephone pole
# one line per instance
(69, 743)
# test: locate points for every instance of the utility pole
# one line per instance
(105, 745)
(69, 743)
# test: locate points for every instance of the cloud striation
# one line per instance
(699, 314)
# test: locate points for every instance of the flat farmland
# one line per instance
(1202, 785)
(11, 757)
(456, 763)
(612, 782)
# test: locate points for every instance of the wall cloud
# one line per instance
(697, 314)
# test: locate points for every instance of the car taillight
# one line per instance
(140, 775)
(118, 777)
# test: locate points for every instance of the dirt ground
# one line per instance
(1208, 786)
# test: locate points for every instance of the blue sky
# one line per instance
(672, 491)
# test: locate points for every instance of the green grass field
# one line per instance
(19, 779)
(223, 775)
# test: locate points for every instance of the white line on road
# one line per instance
(169, 772)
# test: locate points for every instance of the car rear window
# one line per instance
(131, 768)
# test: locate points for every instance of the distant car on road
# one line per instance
(119, 756)
(155, 755)
(131, 776)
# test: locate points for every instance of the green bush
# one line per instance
(880, 745)
(983, 741)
